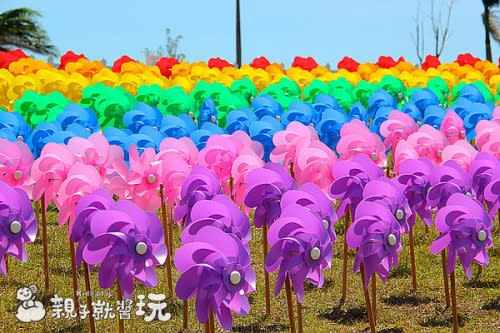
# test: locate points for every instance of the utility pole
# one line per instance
(238, 35)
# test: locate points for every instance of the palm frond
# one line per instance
(494, 25)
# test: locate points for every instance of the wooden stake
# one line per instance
(367, 301)
(374, 297)
(171, 230)
(291, 317)
(168, 266)
(88, 289)
(266, 274)
(45, 246)
(344, 255)
(185, 316)
(412, 261)
(121, 323)
(299, 317)
(211, 321)
(453, 303)
(74, 279)
(445, 278)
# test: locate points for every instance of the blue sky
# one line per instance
(278, 29)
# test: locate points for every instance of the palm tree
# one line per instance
(491, 25)
(19, 29)
(238, 35)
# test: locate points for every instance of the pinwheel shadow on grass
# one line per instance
(478, 302)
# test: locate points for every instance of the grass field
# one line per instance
(398, 309)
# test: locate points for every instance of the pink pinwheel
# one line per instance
(488, 137)
(397, 127)
(376, 234)
(266, 186)
(428, 142)
(496, 115)
(312, 197)
(17, 224)
(216, 269)
(15, 163)
(492, 193)
(452, 127)
(482, 170)
(81, 180)
(350, 179)
(100, 200)
(289, 141)
(300, 248)
(386, 192)
(447, 179)
(127, 245)
(314, 164)
(461, 152)
(201, 184)
(356, 138)
(222, 213)
(141, 182)
(50, 170)
(403, 152)
(415, 176)
(183, 148)
(97, 152)
(242, 166)
(174, 173)
(465, 230)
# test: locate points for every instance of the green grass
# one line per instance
(398, 309)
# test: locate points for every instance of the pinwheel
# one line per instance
(375, 233)
(396, 128)
(242, 165)
(264, 105)
(428, 142)
(17, 224)
(482, 170)
(74, 114)
(142, 115)
(452, 127)
(216, 269)
(301, 249)
(492, 193)
(14, 124)
(466, 232)
(15, 163)
(263, 131)
(462, 152)
(488, 137)
(329, 126)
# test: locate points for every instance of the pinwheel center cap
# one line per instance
(481, 235)
(325, 223)
(213, 119)
(469, 194)
(315, 253)
(400, 214)
(278, 118)
(151, 178)
(391, 239)
(462, 133)
(141, 248)
(15, 227)
(20, 138)
(374, 156)
(18, 174)
(440, 153)
(400, 96)
(235, 278)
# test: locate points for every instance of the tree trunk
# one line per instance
(238, 35)
(487, 41)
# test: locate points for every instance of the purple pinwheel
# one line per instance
(492, 193)
(17, 224)
(386, 192)
(201, 184)
(414, 176)
(312, 197)
(466, 230)
(80, 232)
(266, 186)
(222, 213)
(300, 248)
(216, 269)
(350, 179)
(481, 170)
(447, 179)
(376, 235)
(127, 244)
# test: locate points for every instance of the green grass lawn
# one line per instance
(398, 309)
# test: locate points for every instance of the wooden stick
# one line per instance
(45, 245)
(171, 230)
(412, 261)
(89, 296)
(6, 277)
(185, 316)
(445, 278)
(121, 323)
(344, 255)
(299, 317)
(454, 314)
(374, 297)
(207, 326)
(367, 301)
(168, 266)
(291, 317)
(37, 210)
(266, 274)
(74, 279)
(211, 321)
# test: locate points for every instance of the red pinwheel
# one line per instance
(216, 269)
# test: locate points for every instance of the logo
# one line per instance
(30, 309)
